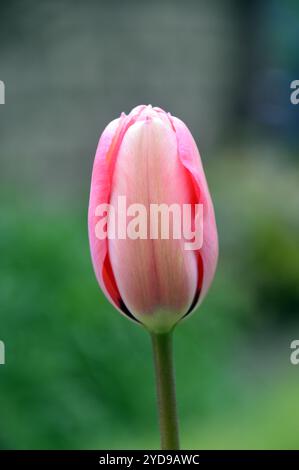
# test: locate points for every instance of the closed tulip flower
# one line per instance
(150, 159)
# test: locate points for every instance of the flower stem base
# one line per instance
(163, 359)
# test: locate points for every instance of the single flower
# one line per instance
(149, 267)
(150, 158)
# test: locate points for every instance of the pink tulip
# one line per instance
(150, 156)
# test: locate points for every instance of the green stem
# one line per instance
(162, 348)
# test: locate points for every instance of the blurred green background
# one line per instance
(78, 374)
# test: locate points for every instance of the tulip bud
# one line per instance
(149, 159)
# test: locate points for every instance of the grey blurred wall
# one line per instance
(70, 68)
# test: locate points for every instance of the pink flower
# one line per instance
(150, 157)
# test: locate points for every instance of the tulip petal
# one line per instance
(190, 158)
(100, 194)
(157, 278)
(100, 191)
